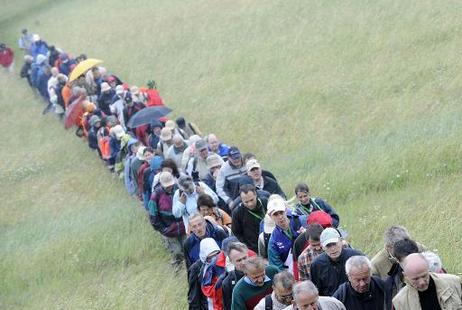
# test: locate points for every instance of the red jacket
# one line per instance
(6, 57)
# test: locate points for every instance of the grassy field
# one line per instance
(361, 99)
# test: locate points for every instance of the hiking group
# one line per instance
(221, 213)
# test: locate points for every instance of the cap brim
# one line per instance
(167, 184)
(329, 241)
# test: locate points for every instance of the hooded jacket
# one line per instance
(318, 204)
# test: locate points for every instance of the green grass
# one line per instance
(361, 99)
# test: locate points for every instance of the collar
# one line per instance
(250, 282)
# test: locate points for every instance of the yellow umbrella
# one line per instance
(83, 67)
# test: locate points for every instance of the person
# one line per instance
(247, 217)
(27, 69)
(215, 146)
(237, 253)
(362, 291)
(255, 285)
(187, 129)
(153, 97)
(309, 254)
(38, 47)
(307, 204)
(105, 98)
(228, 176)
(162, 220)
(165, 142)
(25, 41)
(284, 234)
(208, 209)
(185, 198)
(384, 260)
(190, 151)
(281, 297)
(328, 269)
(176, 150)
(427, 290)
(262, 182)
(200, 229)
(95, 125)
(214, 265)
(197, 165)
(306, 297)
(6, 57)
(67, 64)
(214, 163)
(265, 235)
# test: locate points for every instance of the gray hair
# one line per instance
(194, 216)
(305, 287)
(394, 234)
(236, 246)
(284, 279)
(255, 262)
(434, 261)
(357, 261)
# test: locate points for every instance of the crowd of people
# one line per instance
(225, 217)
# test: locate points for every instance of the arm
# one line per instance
(178, 208)
(220, 184)
(236, 225)
(330, 210)
(273, 255)
(154, 214)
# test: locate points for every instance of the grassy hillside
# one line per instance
(361, 99)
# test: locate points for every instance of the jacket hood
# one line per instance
(207, 246)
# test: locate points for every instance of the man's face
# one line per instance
(236, 161)
(303, 197)
(238, 259)
(307, 301)
(198, 227)
(249, 200)
(334, 249)
(419, 278)
(280, 218)
(283, 295)
(360, 278)
(178, 144)
(255, 174)
(256, 275)
(157, 130)
(213, 142)
(204, 153)
(315, 245)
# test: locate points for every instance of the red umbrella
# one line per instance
(74, 113)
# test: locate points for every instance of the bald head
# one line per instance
(416, 270)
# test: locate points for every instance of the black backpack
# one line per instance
(268, 302)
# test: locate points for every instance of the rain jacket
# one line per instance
(318, 204)
(160, 214)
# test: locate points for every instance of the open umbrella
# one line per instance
(147, 116)
(83, 67)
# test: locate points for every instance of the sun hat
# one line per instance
(170, 124)
(213, 160)
(105, 87)
(166, 179)
(119, 89)
(165, 134)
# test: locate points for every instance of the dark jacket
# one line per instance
(105, 100)
(376, 299)
(328, 275)
(315, 205)
(227, 283)
(246, 225)
(192, 244)
(196, 299)
(161, 216)
(271, 186)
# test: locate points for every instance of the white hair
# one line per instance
(305, 287)
(433, 260)
(357, 261)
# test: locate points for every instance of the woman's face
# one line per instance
(205, 211)
(303, 197)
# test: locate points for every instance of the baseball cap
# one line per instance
(329, 235)
(201, 145)
(251, 164)
(275, 204)
(234, 153)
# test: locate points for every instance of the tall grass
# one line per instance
(360, 99)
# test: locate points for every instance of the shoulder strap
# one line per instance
(268, 302)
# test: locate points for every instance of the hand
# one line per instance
(231, 205)
(199, 189)
(301, 230)
(183, 197)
